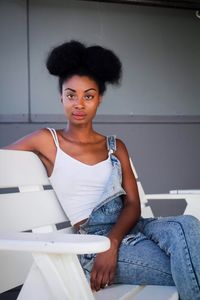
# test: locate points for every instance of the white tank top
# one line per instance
(77, 185)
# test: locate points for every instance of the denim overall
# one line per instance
(157, 251)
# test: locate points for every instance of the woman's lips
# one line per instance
(79, 115)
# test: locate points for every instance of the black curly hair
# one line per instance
(74, 58)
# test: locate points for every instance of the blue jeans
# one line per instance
(157, 251)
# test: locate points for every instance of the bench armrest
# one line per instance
(193, 192)
(53, 242)
(172, 196)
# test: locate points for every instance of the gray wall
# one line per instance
(156, 111)
(166, 156)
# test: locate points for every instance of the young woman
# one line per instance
(94, 182)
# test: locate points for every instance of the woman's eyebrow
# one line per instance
(90, 89)
(84, 91)
(70, 90)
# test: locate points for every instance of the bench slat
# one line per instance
(15, 169)
(40, 209)
(136, 292)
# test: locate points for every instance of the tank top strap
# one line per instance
(54, 135)
(111, 144)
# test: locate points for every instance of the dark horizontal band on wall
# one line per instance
(186, 4)
(14, 118)
(103, 119)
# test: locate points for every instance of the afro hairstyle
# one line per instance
(74, 58)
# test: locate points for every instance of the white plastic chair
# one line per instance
(45, 259)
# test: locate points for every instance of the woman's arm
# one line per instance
(30, 142)
(41, 143)
(131, 211)
(105, 263)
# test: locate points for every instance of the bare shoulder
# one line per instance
(125, 160)
(121, 148)
(122, 154)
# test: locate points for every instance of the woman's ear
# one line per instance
(100, 99)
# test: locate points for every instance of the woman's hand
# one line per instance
(103, 270)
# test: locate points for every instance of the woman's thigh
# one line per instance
(141, 261)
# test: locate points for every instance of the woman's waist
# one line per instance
(78, 224)
(80, 211)
(103, 217)
(102, 210)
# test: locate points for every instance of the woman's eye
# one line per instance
(71, 96)
(89, 97)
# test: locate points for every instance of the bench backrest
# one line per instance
(25, 186)
(26, 203)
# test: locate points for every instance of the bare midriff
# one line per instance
(77, 225)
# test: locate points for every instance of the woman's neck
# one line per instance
(82, 135)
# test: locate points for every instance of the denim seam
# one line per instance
(187, 254)
(189, 260)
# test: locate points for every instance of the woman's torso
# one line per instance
(89, 153)
(91, 172)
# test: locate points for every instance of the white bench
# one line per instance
(45, 259)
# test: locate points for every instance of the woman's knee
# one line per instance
(188, 221)
(168, 229)
(186, 226)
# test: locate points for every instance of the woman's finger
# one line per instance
(96, 280)
(92, 279)
(105, 280)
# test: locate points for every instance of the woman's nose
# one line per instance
(79, 101)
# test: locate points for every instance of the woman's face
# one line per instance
(80, 98)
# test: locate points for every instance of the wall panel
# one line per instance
(14, 100)
(159, 49)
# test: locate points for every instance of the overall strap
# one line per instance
(54, 135)
(111, 144)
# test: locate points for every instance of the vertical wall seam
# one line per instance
(28, 59)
